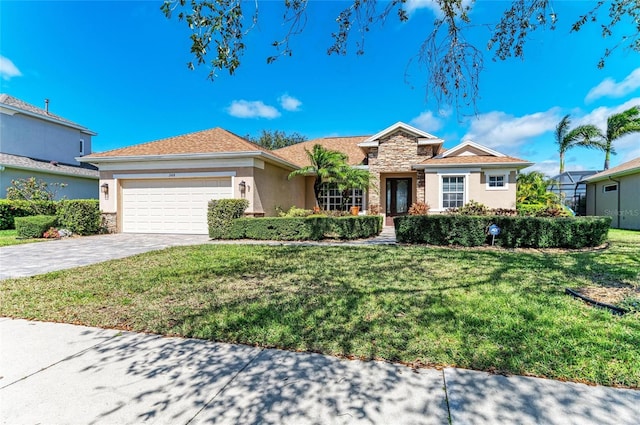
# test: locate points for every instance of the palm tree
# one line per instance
(618, 125)
(588, 136)
(532, 189)
(352, 178)
(325, 165)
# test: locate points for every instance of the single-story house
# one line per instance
(616, 192)
(164, 186)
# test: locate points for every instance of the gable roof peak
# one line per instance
(426, 137)
(470, 143)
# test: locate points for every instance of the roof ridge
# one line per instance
(17, 103)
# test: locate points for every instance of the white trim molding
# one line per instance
(134, 176)
(424, 138)
(472, 144)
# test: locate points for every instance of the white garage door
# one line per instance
(170, 206)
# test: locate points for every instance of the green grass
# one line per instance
(10, 237)
(483, 309)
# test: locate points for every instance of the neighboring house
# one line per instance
(37, 143)
(572, 189)
(616, 192)
(164, 186)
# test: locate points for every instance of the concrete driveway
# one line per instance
(42, 257)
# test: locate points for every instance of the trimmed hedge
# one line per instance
(34, 226)
(9, 210)
(315, 227)
(81, 216)
(220, 214)
(528, 232)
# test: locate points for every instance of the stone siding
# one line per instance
(395, 155)
(110, 222)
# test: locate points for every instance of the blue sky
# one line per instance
(119, 68)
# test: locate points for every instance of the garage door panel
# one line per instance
(170, 206)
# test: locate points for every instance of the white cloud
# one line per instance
(427, 121)
(507, 133)
(609, 88)
(413, 5)
(7, 69)
(252, 109)
(549, 167)
(289, 103)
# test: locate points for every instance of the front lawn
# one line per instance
(10, 237)
(485, 309)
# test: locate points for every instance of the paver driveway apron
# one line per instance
(42, 257)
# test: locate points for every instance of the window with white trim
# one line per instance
(497, 180)
(610, 188)
(331, 198)
(452, 192)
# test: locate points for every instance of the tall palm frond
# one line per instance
(325, 165)
(588, 136)
(619, 125)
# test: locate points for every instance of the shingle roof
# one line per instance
(22, 162)
(628, 167)
(16, 103)
(348, 145)
(474, 159)
(214, 140)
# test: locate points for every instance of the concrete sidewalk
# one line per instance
(66, 374)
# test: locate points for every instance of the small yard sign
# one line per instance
(494, 231)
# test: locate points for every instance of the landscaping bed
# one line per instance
(496, 310)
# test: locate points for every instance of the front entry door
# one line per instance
(398, 197)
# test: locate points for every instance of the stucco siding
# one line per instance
(493, 198)
(274, 189)
(630, 202)
(34, 138)
(591, 199)
(475, 189)
(601, 203)
(76, 187)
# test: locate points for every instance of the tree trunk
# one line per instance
(607, 156)
(561, 162)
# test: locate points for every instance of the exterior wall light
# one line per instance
(243, 188)
(104, 188)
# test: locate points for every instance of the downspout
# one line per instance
(618, 208)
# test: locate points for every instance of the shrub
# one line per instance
(543, 210)
(34, 226)
(314, 227)
(534, 232)
(33, 189)
(470, 208)
(221, 213)
(419, 208)
(81, 216)
(441, 229)
(294, 212)
(11, 209)
(52, 233)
